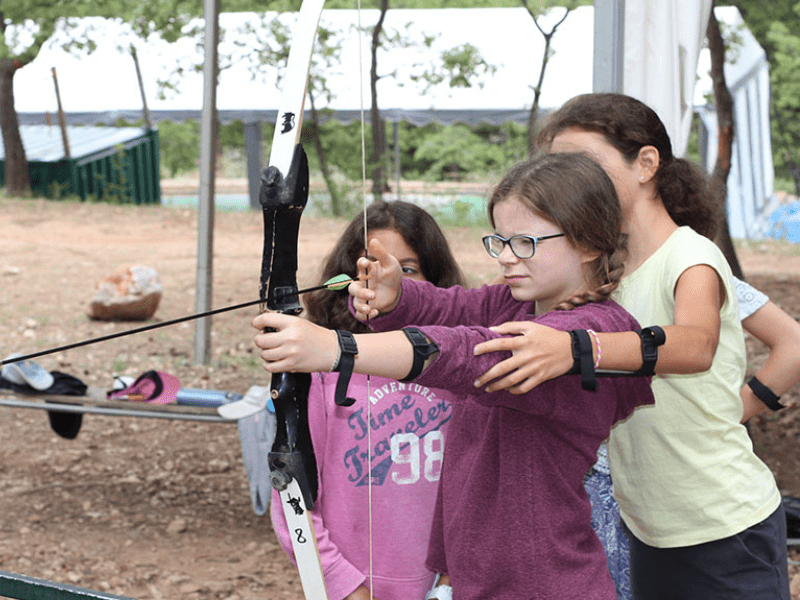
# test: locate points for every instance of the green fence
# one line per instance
(22, 587)
(126, 172)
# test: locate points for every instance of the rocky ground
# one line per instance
(157, 509)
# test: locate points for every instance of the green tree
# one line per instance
(785, 84)
(760, 16)
(262, 54)
(776, 26)
(20, 43)
(451, 152)
(538, 9)
(180, 146)
(26, 25)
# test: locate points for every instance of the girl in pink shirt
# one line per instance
(401, 443)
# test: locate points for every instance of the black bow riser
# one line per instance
(283, 199)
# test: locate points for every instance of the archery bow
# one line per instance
(283, 196)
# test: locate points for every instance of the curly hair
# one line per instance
(417, 228)
(629, 125)
(575, 193)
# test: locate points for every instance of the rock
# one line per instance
(132, 293)
(177, 526)
(190, 588)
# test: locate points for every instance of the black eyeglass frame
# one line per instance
(487, 243)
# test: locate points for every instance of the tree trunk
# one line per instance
(379, 184)
(533, 116)
(18, 182)
(725, 131)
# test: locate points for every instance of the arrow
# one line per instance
(335, 283)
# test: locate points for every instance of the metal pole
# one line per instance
(609, 46)
(253, 132)
(205, 208)
(397, 155)
(113, 411)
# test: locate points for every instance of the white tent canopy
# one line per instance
(662, 44)
(102, 87)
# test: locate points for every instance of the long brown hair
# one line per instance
(574, 192)
(417, 228)
(629, 125)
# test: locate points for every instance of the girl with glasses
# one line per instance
(512, 518)
(703, 512)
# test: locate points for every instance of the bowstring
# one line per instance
(366, 254)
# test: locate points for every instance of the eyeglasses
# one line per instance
(523, 246)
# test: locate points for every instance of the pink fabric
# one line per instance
(407, 436)
(147, 385)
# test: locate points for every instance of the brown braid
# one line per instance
(606, 268)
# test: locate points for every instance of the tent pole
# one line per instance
(148, 123)
(609, 46)
(62, 120)
(397, 155)
(253, 133)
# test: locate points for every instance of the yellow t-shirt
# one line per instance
(684, 469)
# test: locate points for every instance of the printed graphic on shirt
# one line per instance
(404, 430)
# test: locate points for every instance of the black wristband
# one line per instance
(651, 337)
(766, 395)
(347, 358)
(583, 360)
(423, 349)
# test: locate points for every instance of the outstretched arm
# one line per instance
(541, 353)
(297, 345)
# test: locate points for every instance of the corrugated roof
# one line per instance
(43, 143)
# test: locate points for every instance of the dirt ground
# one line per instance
(157, 509)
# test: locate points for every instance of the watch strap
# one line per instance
(583, 359)
(766, 395)
(347, 358)
(651, 338)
